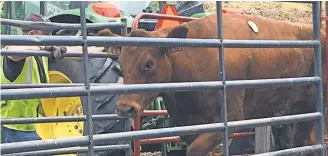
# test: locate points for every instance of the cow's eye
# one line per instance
(148, 65)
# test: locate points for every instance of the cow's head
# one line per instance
(145, 65)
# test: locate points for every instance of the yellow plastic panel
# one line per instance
(61, 106)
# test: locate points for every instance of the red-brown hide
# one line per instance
(142, 65)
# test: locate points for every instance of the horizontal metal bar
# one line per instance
(24, 52)
(272, 82)
(293, 151)
(43, 85)
(72, 150)
(150, 42)
(58, 119)
(20, 40)
(259, 83)
(57, 26)
(47, 53)
(244, 124)
(154, 133)
(74, 118)
(270, 43)
(11, 94)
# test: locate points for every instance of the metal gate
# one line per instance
(41, 147)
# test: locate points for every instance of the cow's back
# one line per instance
(269, 62)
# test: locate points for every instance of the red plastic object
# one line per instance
(106, 9)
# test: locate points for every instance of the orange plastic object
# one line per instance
(168, 9)
(106, 9)
(234, 11)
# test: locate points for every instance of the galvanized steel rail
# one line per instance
(223, 91)
(92, 140)
(87, 80)
(152, 42)
(153, 133)
(72, 150)
(48, 92)
(47, 53)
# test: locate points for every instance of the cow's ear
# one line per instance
(106, 32)
(178, 32)
(110, 50)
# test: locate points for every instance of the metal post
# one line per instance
(326, 59)
(87, 83)
(262, 139)
(10, 15)
(318, 73)
(223, 91)
(43, 9)
(124, 28)
(127, 127)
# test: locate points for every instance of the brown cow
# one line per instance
(142, 65)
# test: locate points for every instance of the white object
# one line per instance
(253, 26)
(131, 7)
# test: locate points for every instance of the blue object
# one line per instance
(11, 135)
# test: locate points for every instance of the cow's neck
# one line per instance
(180, 71)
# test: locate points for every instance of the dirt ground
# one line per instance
(286, 11)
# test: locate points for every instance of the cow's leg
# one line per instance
(282, 136)
(302, 130)
(205, 142)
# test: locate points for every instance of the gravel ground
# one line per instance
(286, 11)
(151, 154)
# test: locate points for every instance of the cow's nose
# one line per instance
(125, 110)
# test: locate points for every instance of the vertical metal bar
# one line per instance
(10, 15)
(326, 54)
(223, 91)
(320, 12)
(318, 73)
(124, 28)
(43, 8)
(127, 121)
(87, 83)
(127, 127)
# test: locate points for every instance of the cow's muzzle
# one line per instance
(125, 110)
